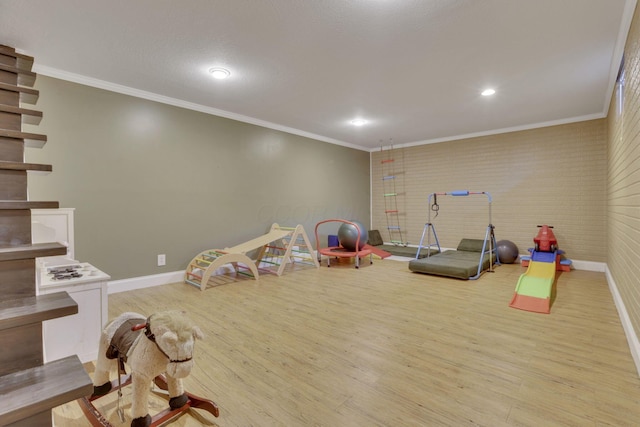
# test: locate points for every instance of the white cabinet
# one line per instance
(80, 333)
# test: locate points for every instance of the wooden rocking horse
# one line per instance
(159, 349)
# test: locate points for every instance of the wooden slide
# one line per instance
(279, 247)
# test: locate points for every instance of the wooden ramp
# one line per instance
(275, 250)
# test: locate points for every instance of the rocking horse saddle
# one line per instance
(122, 340)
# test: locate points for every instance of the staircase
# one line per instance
(29, 389)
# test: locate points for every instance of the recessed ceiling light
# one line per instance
(358, 122)
(219, 73)
(488, 92)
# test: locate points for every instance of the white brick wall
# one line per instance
(555, 175)
(623, 186)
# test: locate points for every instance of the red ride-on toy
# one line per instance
(545, 241)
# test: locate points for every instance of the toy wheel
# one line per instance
(553, 248)
(537, 248)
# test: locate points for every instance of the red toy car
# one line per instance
(545, 241)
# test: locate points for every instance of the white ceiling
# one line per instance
(413, 68)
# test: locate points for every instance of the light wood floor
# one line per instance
(381, 346)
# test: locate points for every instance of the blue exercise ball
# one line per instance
(507, 251)
(348, 236)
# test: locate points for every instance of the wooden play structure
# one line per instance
(275, 250)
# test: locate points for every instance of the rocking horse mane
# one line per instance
(181, 325)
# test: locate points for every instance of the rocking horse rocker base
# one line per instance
(98, 420)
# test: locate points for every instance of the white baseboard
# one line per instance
(600, 267)
(632, 338)
(116, 286)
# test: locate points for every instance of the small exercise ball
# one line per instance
(507, 251)
(348, 235)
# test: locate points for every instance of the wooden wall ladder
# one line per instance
(390, 195)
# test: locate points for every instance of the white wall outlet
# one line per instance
(162, 260)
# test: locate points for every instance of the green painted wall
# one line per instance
(148, 178)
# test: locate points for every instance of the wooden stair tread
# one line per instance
(31, 117)
(21, 166)
(28, 95)
(34, 140)
(26, 204)
(42, 388)
(24, 62)
(35, 309)
(21, 135)
(34, 250)
(25, 77)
